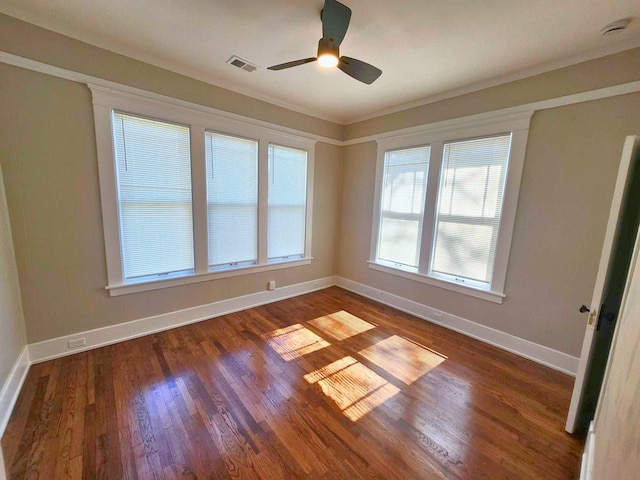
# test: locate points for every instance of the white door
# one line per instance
(631, 148)
(615, 449)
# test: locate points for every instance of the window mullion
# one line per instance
(199, 194)
(377, 206)
(428, 222)
(309, 201)
(263, 198)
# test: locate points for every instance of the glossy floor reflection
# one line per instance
(294, 341)
(405, 360)
(328, 386)
(356, 389)
(341, 325)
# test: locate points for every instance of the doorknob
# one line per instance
(583, 309)
(604, 315)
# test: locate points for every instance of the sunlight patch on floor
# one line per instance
(294, 341)
(341, 325)
(405, 360)
(355, 389)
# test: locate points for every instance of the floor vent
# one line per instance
(243, 64)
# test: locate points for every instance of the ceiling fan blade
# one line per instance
(359, 70)
(335, 21)
(295, 63)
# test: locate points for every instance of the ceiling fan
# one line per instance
(335, 21)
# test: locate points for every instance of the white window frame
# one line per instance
(198, 119)
(436, 137)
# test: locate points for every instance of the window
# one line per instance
(469, 207)
(154, 195)
(232, 200)
(287, 202)
(191, 194)
(404, 189)
(445, 210)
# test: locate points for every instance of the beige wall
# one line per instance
(51, 178)
(569, 174)
(12, 333)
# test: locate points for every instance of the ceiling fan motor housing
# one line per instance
(327, 47)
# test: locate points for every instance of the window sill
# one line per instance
(115, 290)
(494, 297)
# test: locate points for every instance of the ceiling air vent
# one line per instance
(243, 64)
(616, 26)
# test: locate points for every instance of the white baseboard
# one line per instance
(59, 347)
(533, 351)
(11, 388)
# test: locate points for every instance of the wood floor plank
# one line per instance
(89, 450)
(16, 428)
(327, 385)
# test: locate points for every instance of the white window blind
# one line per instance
(469, 208)
(404, 187)
(232, 200)
(154, 193)
(287, 202)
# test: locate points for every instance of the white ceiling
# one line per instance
(425, 48)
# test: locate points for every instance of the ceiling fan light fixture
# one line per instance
(328, 53)
(335, 20)
(328, 60)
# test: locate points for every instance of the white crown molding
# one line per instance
(96, 83)
(538, 353)
(502, 79)
(198, 75)
(491, 116)
(169, 66)
(597, 94)
(11, 388)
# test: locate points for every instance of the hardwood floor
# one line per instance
(327, 385)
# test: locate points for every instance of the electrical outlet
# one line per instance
(78, 342)
(271, 285)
